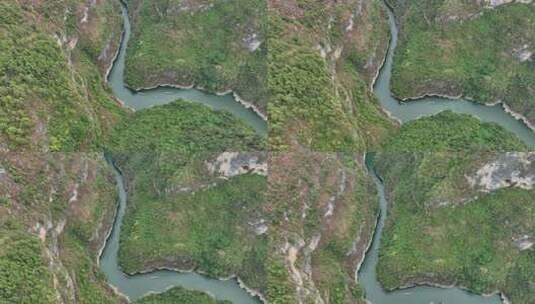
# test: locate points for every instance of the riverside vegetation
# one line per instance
(185, 128)
(480, 52)
(216, 45)
(448, 131)
(444, 229)
(180, 295)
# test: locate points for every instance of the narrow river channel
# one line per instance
(426, 106)
(138, 285)
(367, 276)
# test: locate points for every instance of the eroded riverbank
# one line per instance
(417, 107)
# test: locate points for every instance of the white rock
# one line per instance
(508, 170)
(229, 164)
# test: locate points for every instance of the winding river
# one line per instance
(407, 111)
(138, 285)
(166, 93)
(367, 276)
(425, 106)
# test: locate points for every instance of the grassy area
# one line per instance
(475, 55)
(180, 295)
(319, 96)
(217, 45)
(71, 111)
(439, 229)
(448, 131)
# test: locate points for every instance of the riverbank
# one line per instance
(153, 269)
(459, 97)
(222, 49)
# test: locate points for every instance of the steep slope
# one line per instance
(322, 59)
(55, 212)
(323, 209)
(52, 56)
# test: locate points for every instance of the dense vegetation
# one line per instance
(448, 131)
(180, 295)
(316, 76)
(23, 273)
(70, 111)
(183, 127)
(477, 52)
(217, 45)
(441, 230)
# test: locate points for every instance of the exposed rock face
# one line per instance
(229, 164)
(525, 242)
(523, 53)
(507, 170)
(495, 3)
(252, 42)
